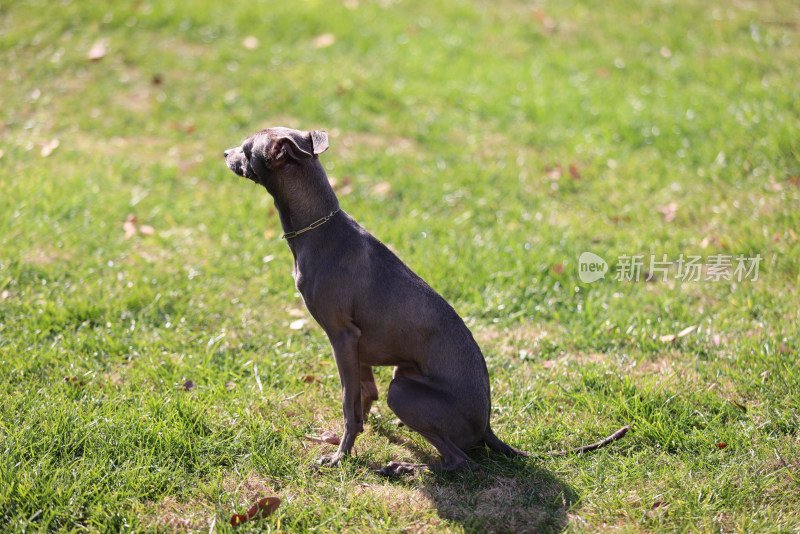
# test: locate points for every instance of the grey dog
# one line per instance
(375, 310)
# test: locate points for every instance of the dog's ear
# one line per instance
(293, 146)
(319, 138)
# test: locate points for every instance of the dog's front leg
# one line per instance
(345, 351)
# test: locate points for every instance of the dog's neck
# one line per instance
(305, 196)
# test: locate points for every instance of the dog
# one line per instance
(376, 311)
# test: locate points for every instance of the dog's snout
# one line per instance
(226, 152)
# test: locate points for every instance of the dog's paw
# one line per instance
(393, 469)
(330, 460)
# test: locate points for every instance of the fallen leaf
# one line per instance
(716, 340)
(548, 364)
(784, 349)
(669, 338)
(238, 519)
(328, 436)
(74, 380)
(298, 324)
(97, 51)
(49, 147)
(308, 379)
(554, 173)
(722, 445)
(686, 331)
(573, 171)
(157, 79)
(296, 312)
(665, 52)
(264, 507)
(558, 268)
(250, 42)
(741, 407)
(129, 226)
(548, 23)
(669, 211)
(794, 180)
(381, 188)
(5, 295)
(323, 41)
(188, 385)
(230, 385)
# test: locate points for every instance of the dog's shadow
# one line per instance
(501, 495)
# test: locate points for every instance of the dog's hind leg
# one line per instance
(435, 415)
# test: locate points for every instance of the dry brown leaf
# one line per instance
(238, 519)
(97, 51)
(722, 445)
(129, 226)
(323, 41)
(669, 338)
(686, 331)
(49, 147)
(669, 211)
(298, 324)
(308, 379)
(146, 229)
(264, 507)
(548, 23)
(381, 188)
(328, 437)
(250, 42)
(188, 385)
(740, 406)
(558, 268)
(716, 340)
(573, 171)
(554, 173)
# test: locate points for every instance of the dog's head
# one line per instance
(265, 155)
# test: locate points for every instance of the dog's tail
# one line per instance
(594, 446)
(497, 445)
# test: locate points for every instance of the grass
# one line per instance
(489, 144)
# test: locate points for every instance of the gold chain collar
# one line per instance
(315, 224)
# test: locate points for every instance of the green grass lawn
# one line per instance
(490, 144)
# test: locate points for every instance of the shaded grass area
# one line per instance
(489, 145)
